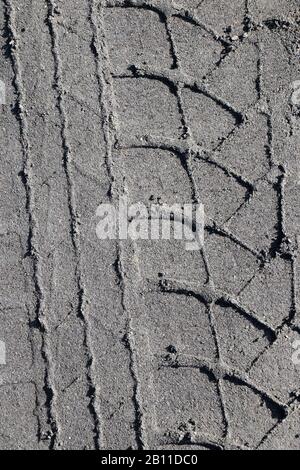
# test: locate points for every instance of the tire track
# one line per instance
(106, 104)
(32, 247)
(92, 389)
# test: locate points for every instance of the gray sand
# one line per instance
(120, 344)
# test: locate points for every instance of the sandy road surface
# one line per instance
(119, 344)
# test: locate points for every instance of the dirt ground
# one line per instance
(117, 344)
